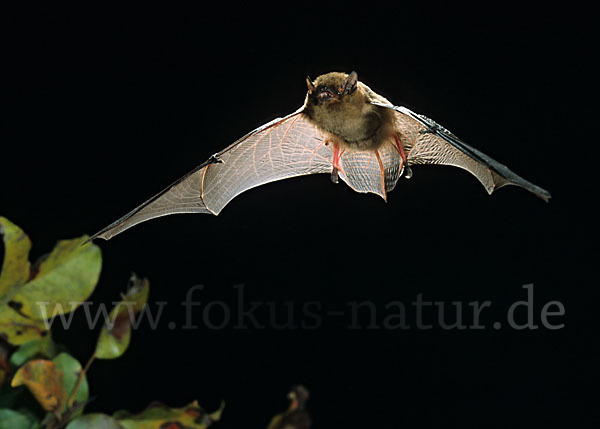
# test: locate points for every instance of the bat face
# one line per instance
(344, 129)
(331, 88)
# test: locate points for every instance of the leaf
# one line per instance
(113, 341)
(44, 381)
(40, 347)
(71, 369)
(159, 416)
(10, 419)
(94, 421)
(15, 267)
(215, 416)
(68, 274)
(15, 273)
(275, 421)
(18, 329)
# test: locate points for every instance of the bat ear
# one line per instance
(349, 85)
(310, 85)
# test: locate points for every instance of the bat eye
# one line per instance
(325, 95)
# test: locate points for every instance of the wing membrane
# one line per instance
(370, 171)
(285, 147)
(427, 142)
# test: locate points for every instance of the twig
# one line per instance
(80, 380)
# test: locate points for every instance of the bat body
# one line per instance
(344, 129)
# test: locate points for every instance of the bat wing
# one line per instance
(285, 147)
(427, 142)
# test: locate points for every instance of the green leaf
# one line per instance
(40, 347)
(71, 369)
(114, 340)
(94, 421)
(15, 267)
(67, 275)
(10, 419)
(160, 416)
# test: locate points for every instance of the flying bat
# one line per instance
(343, 128)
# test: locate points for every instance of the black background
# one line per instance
(106, 106)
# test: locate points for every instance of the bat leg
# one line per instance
(405, 169)
(382, 171)
(337, 155)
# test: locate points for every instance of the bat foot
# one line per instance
(335, 175)
(406, 170)
(337, 155)
(214, 159)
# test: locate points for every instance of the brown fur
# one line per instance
(350, 120)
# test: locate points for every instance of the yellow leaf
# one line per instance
(15, 267)
(44, 381)
(157, 415)
(68, 274)
(18, 329)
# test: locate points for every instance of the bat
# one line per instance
(344, 129)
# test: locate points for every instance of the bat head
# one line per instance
(331, 88)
